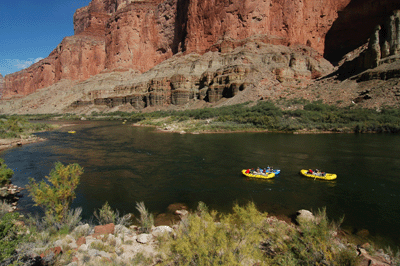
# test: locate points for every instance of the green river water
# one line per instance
(125, 164)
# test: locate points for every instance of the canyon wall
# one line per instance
(354, 25)
(116, 35)
(76, 57)
(296, 22)
(1, 85)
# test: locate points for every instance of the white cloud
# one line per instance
(21, 64)
(9, 66)
(38, 59)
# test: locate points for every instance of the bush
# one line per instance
(55, 198)
(146, 219)
(201, 240)
(10, 235)
(106, 215)
(16, 126)
(5, 173)
(249, 237)
(312, 244)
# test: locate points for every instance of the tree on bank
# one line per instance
(5, 173)
(56, 195)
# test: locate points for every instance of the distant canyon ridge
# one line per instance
(133, 55)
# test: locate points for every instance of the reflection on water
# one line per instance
(125, 164)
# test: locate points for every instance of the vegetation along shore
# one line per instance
(17, 131)
(292, 116)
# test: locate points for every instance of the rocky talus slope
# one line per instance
(147, 55)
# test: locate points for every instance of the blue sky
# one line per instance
(31, 29)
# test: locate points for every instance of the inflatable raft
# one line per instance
(324, 176)
(258, 175)
(275, 171)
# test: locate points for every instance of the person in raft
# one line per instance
(247, 171)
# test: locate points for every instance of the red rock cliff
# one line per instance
(301, 22)
(76, 58)
(121, 34)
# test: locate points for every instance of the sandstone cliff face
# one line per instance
(383, 47)
(252, 71)
(76, 58)
(297, 22)
(354, 25)
(140, 35)
(1, 85)
(121, 35)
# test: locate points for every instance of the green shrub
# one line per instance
(17, 126)
(10, 235)
(141, 259)
(55, 198)
(207, 238)
(312, 244)
(249, 237)
(106, 215)
(102, 246)
(5, 173)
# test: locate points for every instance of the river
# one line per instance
(125, 164)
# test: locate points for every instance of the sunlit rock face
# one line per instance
(77, 57)
(121, 35)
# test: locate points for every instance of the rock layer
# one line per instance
(354, 25)
(297, 22)
(1, 84)
(213, 76)
(383, 47)
(129, 34)
(76, 57)
(138, 36)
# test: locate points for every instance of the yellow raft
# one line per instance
(325, 176)
(258, 175)
(72, 132)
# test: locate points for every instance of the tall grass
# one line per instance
(146, 219)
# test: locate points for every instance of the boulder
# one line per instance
(81, 230)
(144, 238)
(182, 213)
(122, 230)
(104, 229)
(304, 216)
(378, 259)
(83, 248)
(51, 252)
(161, 230)
(81, 241)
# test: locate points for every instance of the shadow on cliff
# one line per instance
(354, 25)
(180, 33)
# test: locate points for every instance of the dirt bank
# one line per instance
(15, 142)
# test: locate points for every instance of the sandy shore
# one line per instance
(11, 143)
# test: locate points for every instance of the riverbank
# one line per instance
(243, 237)
(305, 118)
(297, 116)
(17, 131)
(193, 126)
(9, 197)
(16, 142)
